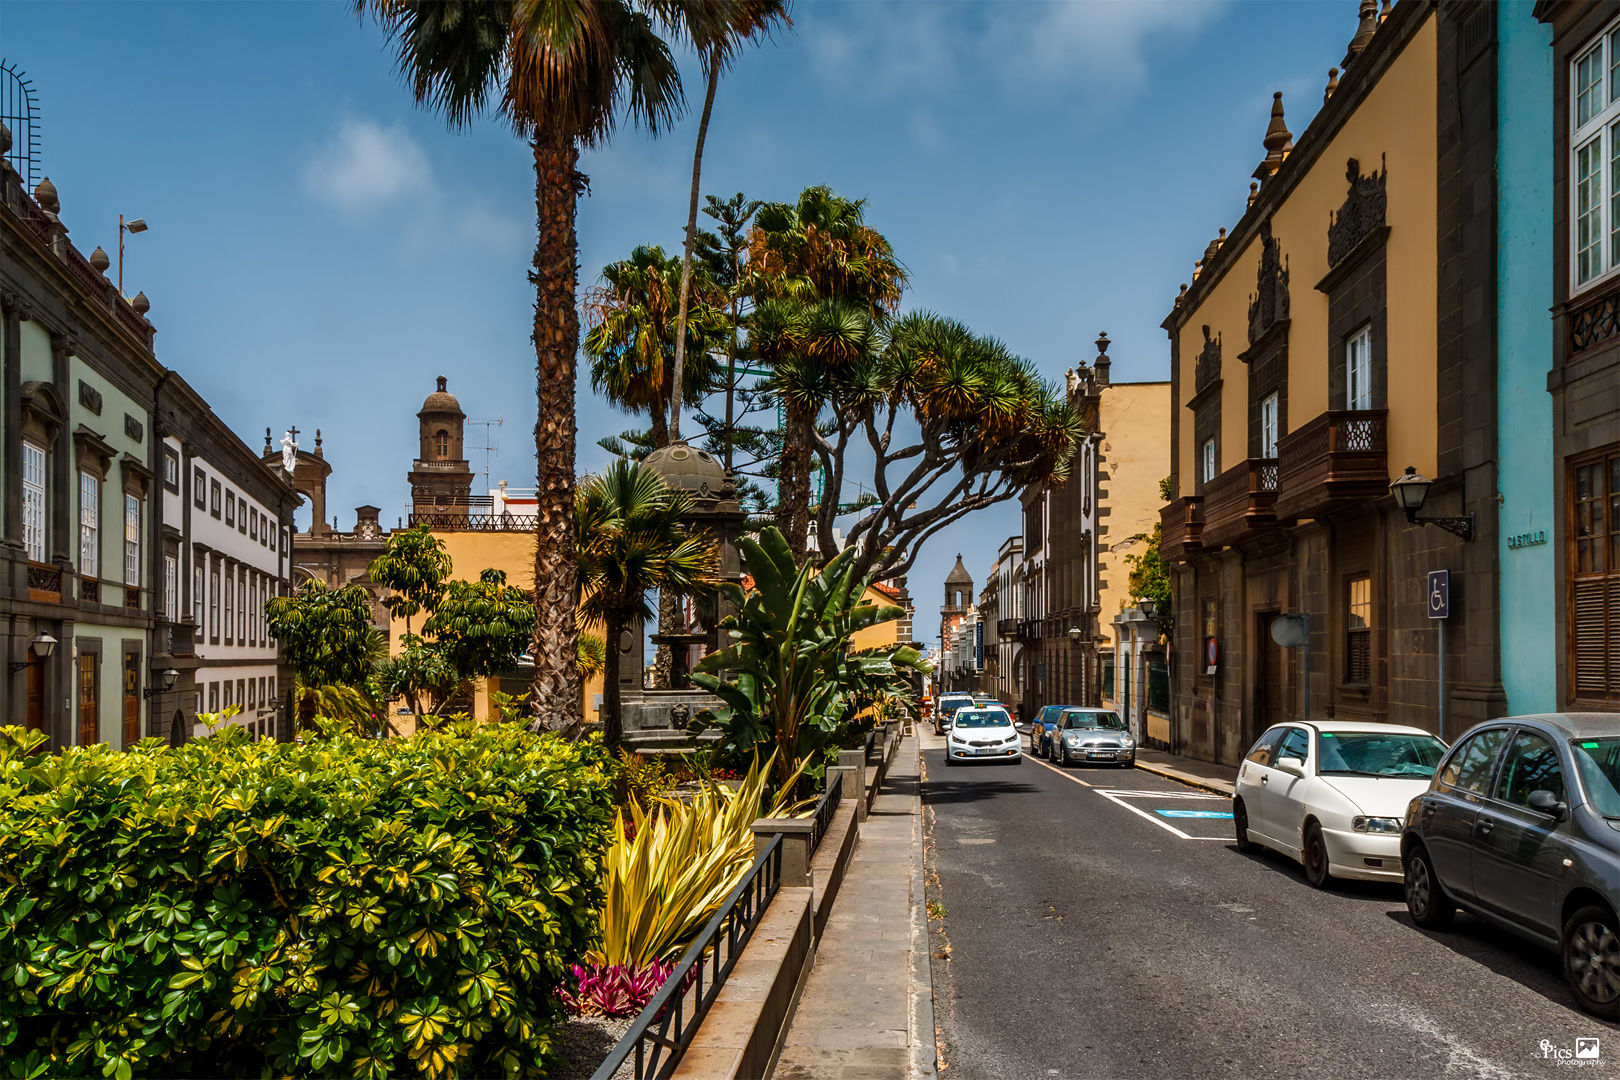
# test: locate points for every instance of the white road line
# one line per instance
(1060, 772)
(1118, 799)
(1143, 813)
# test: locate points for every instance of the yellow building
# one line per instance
(1341, 332)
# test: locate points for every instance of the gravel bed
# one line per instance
(586, 1042)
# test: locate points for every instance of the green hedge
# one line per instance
(348, 907)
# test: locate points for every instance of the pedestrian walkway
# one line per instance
(867, 1007)
(1204, 774)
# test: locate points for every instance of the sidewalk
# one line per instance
(867, 1009)
(1204, 774)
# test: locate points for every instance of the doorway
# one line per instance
(132, 698)
(1271, 681)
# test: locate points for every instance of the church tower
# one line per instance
(958, 598)
(441, 480)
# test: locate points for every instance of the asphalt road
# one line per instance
(1090, 935)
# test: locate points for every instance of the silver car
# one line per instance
(1092, 736)
(1521, 827)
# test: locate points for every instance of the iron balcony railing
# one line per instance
(666, 1027)
(477, 522)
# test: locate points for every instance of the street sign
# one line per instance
(1291, 631)
(1439, 593)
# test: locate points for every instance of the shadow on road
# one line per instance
(1384, 892)
(1506, 954)
(973, 785)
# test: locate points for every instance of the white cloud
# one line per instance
(364, 167)
(1103, 44)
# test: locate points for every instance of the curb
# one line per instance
(1183, 778)
(924, 1056)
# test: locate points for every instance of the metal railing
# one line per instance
(827, 810)
(482, 522)
(666, 1027)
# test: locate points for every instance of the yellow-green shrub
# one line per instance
(349, 907)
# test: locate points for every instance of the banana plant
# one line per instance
(789, 677)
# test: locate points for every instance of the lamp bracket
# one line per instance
(17, 665)
(1457, 526)
(153, 692)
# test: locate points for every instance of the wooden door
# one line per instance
(34, 703)
(132, 698)
(1271, 681)
(89, 698)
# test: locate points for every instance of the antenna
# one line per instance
(490, 445)
(19, 110)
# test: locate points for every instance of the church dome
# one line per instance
(441, 401)
(690, 469)
(959, 574)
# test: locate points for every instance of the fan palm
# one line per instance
(631, 540)
(630, 336)
(562, 73)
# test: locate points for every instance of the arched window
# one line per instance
(441, 444)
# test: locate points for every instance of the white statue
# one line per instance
(289, 451)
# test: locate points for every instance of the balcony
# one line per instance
(1335, 461)
(1029, 631)
(1006, 628)
(179, 639)
(1240, 502)
(90, 590)
(1181, 526)
(479, 522)
(44, 583)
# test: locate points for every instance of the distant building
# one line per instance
(949, 674)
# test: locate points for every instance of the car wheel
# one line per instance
(1240, 826)
(1591, 952)
(950, 761)
(1425, 901)
(1315, 857)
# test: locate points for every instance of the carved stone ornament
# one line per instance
(134, 428)
(89, 397)
(1362, 213)
(1209, 362)
(1268, 306)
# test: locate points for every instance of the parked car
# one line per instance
(947, 705)
(1332, 796)
(1091, 735)
(979, 733)
(1519, 827)
(1040, 728)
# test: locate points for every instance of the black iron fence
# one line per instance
(827, 809)
(666, 1027)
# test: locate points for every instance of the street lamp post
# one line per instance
(138, 225)
(1411, 491)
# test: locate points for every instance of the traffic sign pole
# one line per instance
(1439, 602)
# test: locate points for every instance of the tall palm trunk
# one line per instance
(612, 713)
(794, 513)
(676, 396)
(556, 696)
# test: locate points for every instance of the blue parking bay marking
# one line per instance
(1192, 813)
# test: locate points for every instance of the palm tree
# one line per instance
(630, 336)
(716, 34)
(631, 540)
(562, 74)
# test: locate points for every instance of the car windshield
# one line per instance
(982, 718)
(950, 705)
(1105, 720)
(1376, 753)
(1599, 763)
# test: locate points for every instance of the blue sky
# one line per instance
(320, 249)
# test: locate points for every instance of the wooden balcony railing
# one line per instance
(90, 590)
(1240, 502)
(1181, 528)
(44, 583)
(180, 638)
(1334, 461)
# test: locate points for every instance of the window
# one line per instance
(441, 444)
(33, 493)
(225, 699)
(241, 518)
(264, 619)
(253, 525)
(1469, 767)
(89, 525)
(171, 588)
(1531, 765)
(1108, 676)
(214, 498)
(197, 590)
(171, 469)
(1358, 370)
(1211, 656)
(213, 604)
(1206, 461)
(1265, 749)
(1295, 744)
(199, 489)
(230, 606)
(241, 610)
(230, 508)
(132, 540)
(1594, 529)
(89, 697)
(1595, 161)
(1268, 426)
(241, 692)
(132, 698)
(1358, 630)
(213, 697)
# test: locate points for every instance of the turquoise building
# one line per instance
(1530, 639)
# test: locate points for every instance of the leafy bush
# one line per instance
(347, 907)
(615, 989)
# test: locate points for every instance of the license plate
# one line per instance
(985, 750)
(1100, 754)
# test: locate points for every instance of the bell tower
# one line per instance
(441, 479)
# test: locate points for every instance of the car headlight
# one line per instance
(1127, 742)
(1376, 824)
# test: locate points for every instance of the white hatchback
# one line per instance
(982, 733)
(1333, 795)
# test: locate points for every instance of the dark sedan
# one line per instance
(1521, 827)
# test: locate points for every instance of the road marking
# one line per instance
(992, 841)
(1060, 772)
(1193, 814)
(1128, 794)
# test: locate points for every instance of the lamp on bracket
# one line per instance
(1411, 491)
(40, 649)
(166, 683)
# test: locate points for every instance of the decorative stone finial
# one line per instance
(318, 451)
(1181, 297)
(1332, 84)
(1198, 268)
(141, 304)
(1364, 32)
(1102, 364)
(1254, 191)
(267, 441)
(45, 195)
(99, 260)
(443, 383)
(1383, 10)
(1278, 141)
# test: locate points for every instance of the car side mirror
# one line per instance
(1291, 765)
(1547, 803)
